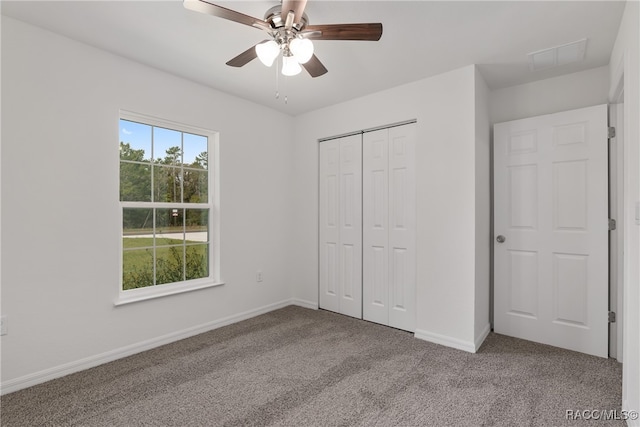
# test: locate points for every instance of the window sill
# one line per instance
(144, 294)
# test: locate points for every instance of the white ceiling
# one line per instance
(420, 39)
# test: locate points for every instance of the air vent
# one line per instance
(558, 55)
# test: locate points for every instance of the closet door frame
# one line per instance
(378, 285)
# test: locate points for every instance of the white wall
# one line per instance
(444, 107)
(568, 92)
(625, 59)
(60, 209)
(0, 193)
(483, 200)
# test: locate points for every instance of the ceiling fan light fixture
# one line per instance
(302, 49)
(290, 66)
(267, 52)
(285, 23)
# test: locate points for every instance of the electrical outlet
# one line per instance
(259, 276)
(4, 326)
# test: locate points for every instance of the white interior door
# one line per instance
(389, 227)
(550, 205)
(341, 225)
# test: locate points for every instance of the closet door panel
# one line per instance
(375, 220)
(350, 230)
(329, 238)
(402, 227)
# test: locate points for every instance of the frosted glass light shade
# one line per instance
(267, 52)
(290, 66)
(302, 49)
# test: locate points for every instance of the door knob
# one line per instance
(501, 239)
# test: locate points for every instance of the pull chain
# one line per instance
(284, 86)
(277, 79)
(286, 98)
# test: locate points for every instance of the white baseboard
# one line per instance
(448, 341)
(304, 303)
(109, 356)
(445, 340)
(480, 338)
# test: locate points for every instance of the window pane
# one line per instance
(167, 146)
(197, 261)
(137, 268)
(169, 264)
(197, 225)
(195, 151)
(169, 226)
(195, 186)
(137, 223)
(135, 141)
(135, 182)
(167, 186)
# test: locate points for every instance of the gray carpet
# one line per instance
(300, 367)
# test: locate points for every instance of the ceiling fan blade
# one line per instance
(297, 6)
(314, 67)
(203, 6)
(366, 32)
(245, 57)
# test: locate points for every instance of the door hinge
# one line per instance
(612, 224)
(612, 317)
(611, 132)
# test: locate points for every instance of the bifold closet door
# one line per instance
(389, 227)
(341, 225)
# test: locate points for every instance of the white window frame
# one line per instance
(157, 291)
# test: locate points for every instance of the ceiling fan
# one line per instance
(289, 34)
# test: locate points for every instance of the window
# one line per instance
(167, 183)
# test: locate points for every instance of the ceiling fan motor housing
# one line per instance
(280, 33)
